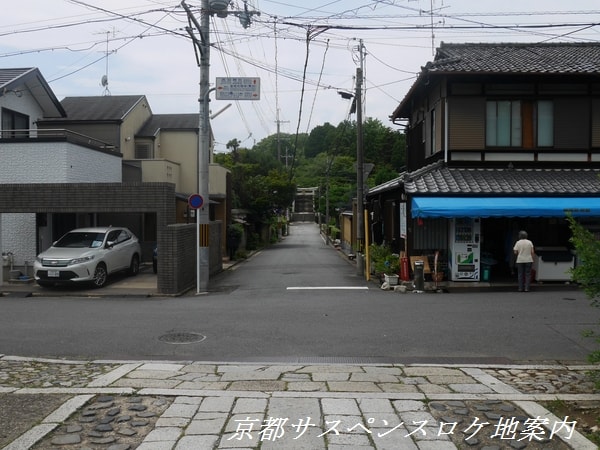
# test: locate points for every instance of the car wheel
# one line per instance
(134, 267)
(45, 283)
(100, 276)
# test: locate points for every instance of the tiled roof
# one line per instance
(100, 108)
(558, 58)
(7, 76)
(169, 122)
(439, 179)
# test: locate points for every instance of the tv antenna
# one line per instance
(107, 52)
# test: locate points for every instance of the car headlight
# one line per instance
(80, 260)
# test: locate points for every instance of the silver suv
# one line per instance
(88, 255)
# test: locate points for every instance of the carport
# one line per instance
(177, 260)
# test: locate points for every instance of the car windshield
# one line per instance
(81, 240)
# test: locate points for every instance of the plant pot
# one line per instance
(392, 280)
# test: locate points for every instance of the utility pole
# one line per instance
(207, 7)
(360, 220)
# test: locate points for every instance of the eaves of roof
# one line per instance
(459, 181)
(32, 78)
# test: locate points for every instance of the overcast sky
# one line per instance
(142, 47)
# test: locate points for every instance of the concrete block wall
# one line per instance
(179, 257)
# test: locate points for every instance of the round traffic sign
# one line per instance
(195, 201)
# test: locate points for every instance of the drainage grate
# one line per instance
(182, 337)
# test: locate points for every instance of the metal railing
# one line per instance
(25, 135)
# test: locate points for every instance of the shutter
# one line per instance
(466, 123)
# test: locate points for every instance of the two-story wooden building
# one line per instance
(500, 137)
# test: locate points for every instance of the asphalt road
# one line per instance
(299, 300)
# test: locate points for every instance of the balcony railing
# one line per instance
(53, 135)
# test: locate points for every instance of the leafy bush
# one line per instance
(384, 261)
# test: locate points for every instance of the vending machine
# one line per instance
(464, 249)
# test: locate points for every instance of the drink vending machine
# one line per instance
(465, 249)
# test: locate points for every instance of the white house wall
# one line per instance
(46, 162)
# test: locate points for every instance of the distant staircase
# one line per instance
(304, 205)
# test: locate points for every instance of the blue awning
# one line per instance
(449, 207)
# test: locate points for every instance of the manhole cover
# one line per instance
(182, 337)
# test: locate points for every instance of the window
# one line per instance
(503, 123)
(545, 123)
(13, 121)
(143, 150)
(515, 123)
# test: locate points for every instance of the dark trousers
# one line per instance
(524, 275)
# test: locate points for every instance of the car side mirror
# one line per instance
(110, 244)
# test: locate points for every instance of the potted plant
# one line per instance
(385, 263)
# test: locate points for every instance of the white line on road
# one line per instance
(314, 288)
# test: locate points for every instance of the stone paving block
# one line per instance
(331, 376)
(471, 388)
(247, 441)
(213, 425)
(200, 368)
(293, 440)
(197, 442)
(414, 419)
(193, 376)
(171, 434)
(371, 405)
(159, 445)
(299, 411)
(451, 379)
(393, 439)
(348, 440)
(433, 389)
(349, 386)
(146, 383)
(182, 399)
(340, 406)
(204, 385)
(180, 410)
(426, 371)
(374, 377)
(437, 445)
(409, 405)
(330, 369)
(307, 386)
(180, 422)
(152, 374)
(249, 405)
(161, 367)
(216, 404)
(244, 422)
(397, 387)
(257, 385)
(257, 375)
(384, 370)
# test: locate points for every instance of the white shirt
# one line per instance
(524, 251)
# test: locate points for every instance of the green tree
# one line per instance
(587, 271)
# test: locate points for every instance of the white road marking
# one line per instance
(324, 288)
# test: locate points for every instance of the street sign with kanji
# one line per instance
(237, 88)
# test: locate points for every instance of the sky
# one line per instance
(304, 55)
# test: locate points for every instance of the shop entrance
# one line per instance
(500, 234)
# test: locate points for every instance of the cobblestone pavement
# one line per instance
(121, 405)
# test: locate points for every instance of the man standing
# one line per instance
(524, 251)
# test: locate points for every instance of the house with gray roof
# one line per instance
(500, 138)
